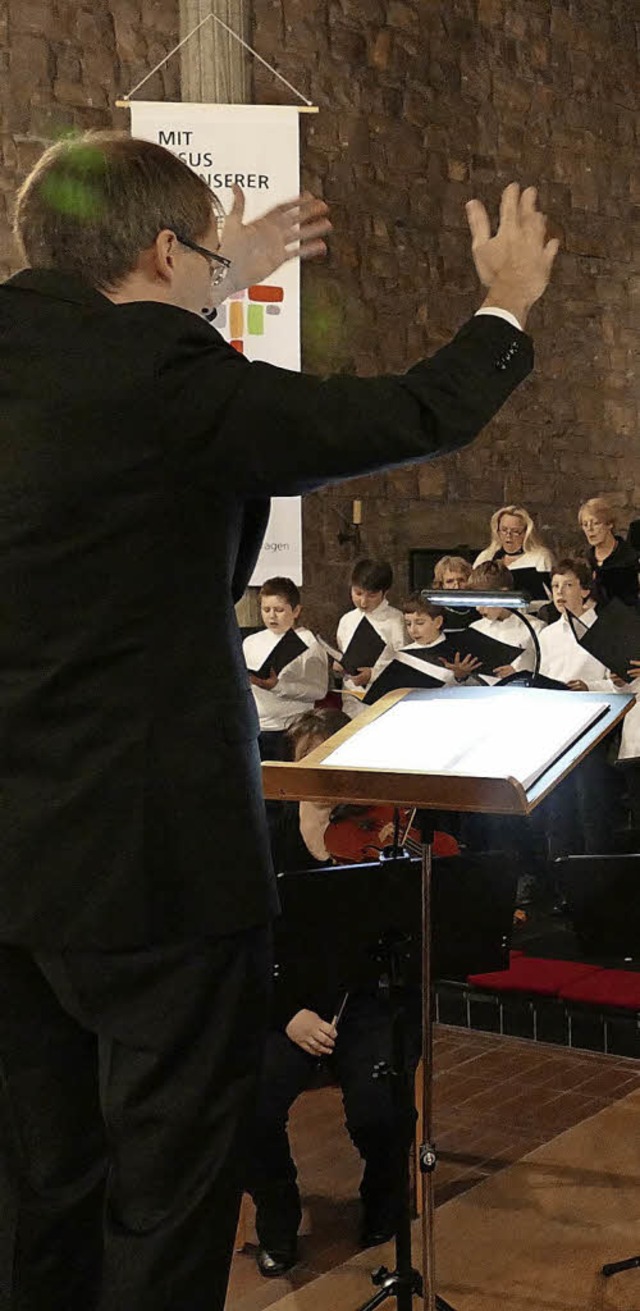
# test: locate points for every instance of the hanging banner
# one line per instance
(257, 147)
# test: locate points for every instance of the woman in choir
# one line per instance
(452, 573)
(516, 542)
(613, 561)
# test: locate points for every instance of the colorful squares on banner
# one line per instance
(265, 297)
(266, 294)
(236, 319)
(255, 320)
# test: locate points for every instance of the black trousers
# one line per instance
(126, 1082)
(381, 1135)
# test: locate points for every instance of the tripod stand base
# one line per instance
(614, 1267)
(404, 1287)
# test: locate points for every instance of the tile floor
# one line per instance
(495, 1099)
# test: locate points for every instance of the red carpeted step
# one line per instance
(534, 974)
(605, 988)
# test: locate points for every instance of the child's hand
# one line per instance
(503, 671)
(634, 669)
(577, 685)
(313, 1034)
(362, 677)
(461, 668)
(337, 667)
(267, 683)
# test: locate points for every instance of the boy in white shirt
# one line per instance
(562, 657)
(501, 624)
(370, 582)
(579, 815)
(424, 623)
(281, 697)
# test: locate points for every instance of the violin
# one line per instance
(358, 833)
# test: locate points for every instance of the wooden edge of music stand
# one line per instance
(311, 780)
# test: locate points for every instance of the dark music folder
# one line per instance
(362, 651)
(614, 639)
(287, 649)
(399, 674)
(469, 641)
(454, 620)
(534, 582)
(428, 653)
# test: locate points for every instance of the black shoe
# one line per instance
(373, 1235)
(272, 1264)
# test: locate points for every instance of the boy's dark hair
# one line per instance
(314, 726)
(284, 587)
(492, 576)
(575, 564)
(94, 202)
(414, 604)
(372, 575)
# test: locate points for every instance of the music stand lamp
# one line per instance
(513, 746)
(515, 601)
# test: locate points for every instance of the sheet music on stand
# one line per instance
(470, 738)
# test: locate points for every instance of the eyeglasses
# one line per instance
(219, 264)
(512, 532)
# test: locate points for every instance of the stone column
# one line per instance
(216, 68)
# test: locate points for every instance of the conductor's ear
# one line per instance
(163, 254)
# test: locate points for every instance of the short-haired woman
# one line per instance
(614, 562)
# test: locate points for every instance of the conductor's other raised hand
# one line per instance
(515, 264)
(295, 229)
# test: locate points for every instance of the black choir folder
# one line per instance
(287, 649)
(614, 639)
(404, 671)
(534, 582)
(363, 650)
(470, 641)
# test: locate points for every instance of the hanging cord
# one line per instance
(237, 38)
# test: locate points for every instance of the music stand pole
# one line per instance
(427, 1156)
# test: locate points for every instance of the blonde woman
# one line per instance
(515, 541)
(613, 561)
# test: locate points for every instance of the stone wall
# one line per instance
(425, 103)
(63, 64)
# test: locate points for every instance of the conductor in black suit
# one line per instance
(137, 450)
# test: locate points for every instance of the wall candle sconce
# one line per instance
(351, 532)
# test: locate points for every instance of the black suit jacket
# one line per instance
(137, 451)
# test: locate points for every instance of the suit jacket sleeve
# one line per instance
(271, 432)
(254, 525)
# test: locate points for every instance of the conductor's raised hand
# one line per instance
(515, 263)
(295, 229)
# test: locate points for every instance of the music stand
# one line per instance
(486, 750)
